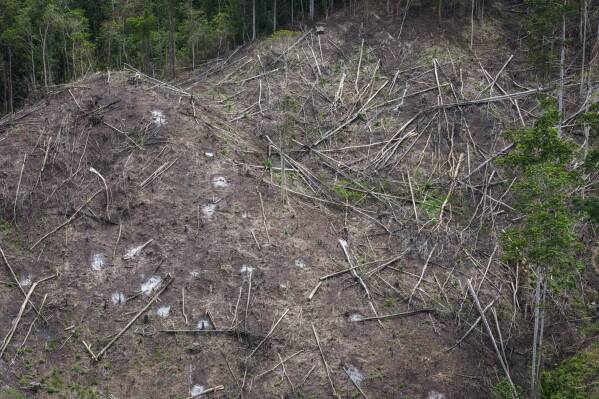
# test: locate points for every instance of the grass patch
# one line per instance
(290, 104)
(431, 207)
(267, 163)
(5, 227)
(346, 193)
(575, 378)
(277, 176)
(502, 390)
(282, 34)
(12, 393)
(389, 303)
(10, 234)
(54, 382)
(84, 392)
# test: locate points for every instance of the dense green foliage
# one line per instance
(589, 204)
(47, 42)
(576, 378)
(543, 237)
(543, 18)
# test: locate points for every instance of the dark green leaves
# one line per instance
(540, 143)
(543, 236)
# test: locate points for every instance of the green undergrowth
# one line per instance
(432, 200)
(9, 234)
(12, 393)
(575, 378)
(282, 34)
(503, 390)
(346, 193)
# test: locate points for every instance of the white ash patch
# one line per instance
(205, 324)
(135, 251)
(209, 210)
(246, 271)
(97, 262)
(196, 390)
(158, 118)
(355, 317)
(194, 274)
(25, 280)
(219, 182)
(300, 263)
(118, 298)
(354, 374)
(150, 284)
(163, 311)
(435, 395)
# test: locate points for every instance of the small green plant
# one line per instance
(161, 355)
(24, 350)
(138, 137)
(10, 234)
(5, 227)
(389, 303)
(346, 193)
(267, 163)
(503, 390)
(50, 345)
(431, 206)
(290, 104)
(278, 176)
(83, 392)
(78, 368)
(360, 117)
(54, 382)
(377, 374)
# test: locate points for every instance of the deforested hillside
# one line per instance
(386, 203)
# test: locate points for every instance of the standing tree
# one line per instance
(542, 243)
(172, 5)
(253, 20)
